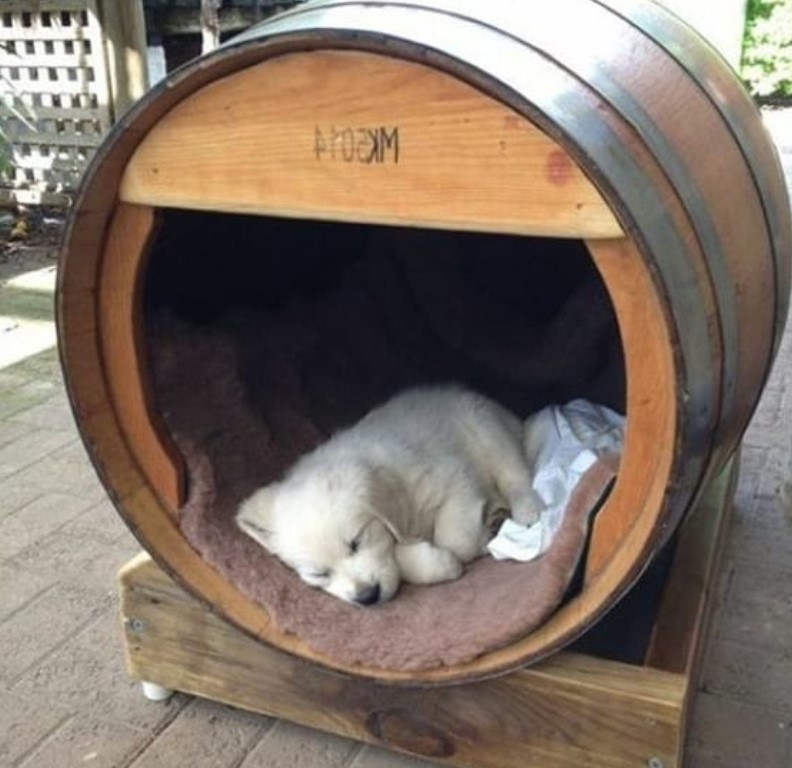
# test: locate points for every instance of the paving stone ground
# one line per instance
(65, 700)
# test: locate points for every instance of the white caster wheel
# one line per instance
(154, 692)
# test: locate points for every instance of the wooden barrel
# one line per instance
(624, 130)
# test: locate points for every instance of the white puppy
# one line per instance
(408, 493)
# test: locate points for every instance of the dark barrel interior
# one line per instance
(525, 320)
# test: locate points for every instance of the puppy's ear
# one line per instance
(389, 502)
(256, 516)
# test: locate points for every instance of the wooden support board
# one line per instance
(568, 711)
(123, 347)
(352, 136)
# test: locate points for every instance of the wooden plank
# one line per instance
(366, 138)
(651, 423)
(120, 330)
(686, 597)
(210, 25)
(570, 711)
(125, 45)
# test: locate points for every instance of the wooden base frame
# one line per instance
(568, 711)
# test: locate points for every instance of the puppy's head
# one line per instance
(323, 524)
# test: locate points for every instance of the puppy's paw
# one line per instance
(527, 509)
(423, 563)
(494, 517)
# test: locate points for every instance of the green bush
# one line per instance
(767, 48)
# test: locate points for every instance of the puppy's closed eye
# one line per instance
(317, 577)
(255, 528)
(357, 541)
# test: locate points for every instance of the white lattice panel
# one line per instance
(55, 96)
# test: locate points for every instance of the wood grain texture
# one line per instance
(124, 358)
(627, 520)
(360, 137)
(124, 27)
(238, 132)
(570, 711)
(681, 619)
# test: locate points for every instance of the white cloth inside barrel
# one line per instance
(561, 443)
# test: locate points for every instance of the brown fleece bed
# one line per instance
(247, 393)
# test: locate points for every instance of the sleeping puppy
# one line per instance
(407, 494)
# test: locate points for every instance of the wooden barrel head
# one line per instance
(452, 116)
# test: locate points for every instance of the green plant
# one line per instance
(767, 48)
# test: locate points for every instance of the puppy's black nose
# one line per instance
(369, 595)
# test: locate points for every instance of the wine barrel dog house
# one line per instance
(608, 177)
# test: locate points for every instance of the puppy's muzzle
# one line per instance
(369, 595)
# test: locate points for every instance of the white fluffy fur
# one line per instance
(405, 494)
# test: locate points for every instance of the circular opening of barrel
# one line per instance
(264, 335)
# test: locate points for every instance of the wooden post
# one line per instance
(125, 46)
(210, 25)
